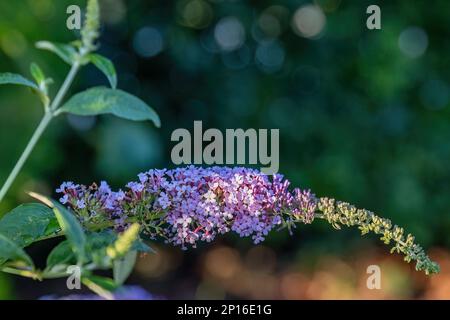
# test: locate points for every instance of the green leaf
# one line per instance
(106, 66)
(104, 287)
(124, 242)
(97, 243)
(17, 79)
(12, 78)
(72, 229)
(16, 269)
(43, 83)
(60, 257)
(37, 73)
(11, 251)
(102, 100)
(106, 238)
(69, 225)
(28, 223)
(64, 51)
(123, 267)
(141, 246)
(101, 240)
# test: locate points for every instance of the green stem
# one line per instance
(26, 153)
(48, 116)
(47, 275)
(65, 86)
(340, 213)
(91, 227)
(35, 275)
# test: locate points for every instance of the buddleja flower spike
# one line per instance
(189, 205)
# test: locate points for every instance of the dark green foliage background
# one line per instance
(354, 112)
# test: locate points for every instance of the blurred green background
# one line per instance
(363, 115)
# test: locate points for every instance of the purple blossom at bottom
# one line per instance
(124, 293)
(195, 204)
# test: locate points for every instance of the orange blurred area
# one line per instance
(258, 273)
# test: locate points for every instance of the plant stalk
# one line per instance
(65, 86)
(48, 116)
(26, 153)
(35, 275)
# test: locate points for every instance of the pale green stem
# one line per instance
(65, 86)
(89, 227)
(321, 216)
(34, 139)
(35, 275)
(48, 116)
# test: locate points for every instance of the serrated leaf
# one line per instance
(106, 66)
(11, 251)
(28, 222)
(123, 267)
(64, 51)
(17, 79)
(69, 225)
(102, 100)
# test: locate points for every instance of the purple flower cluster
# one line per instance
(196, 204)
(94, 201)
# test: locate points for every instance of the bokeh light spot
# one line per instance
(270, 56)
(328, 5)
(196, 14)
(229, 34)
(148, 42)
(113, 11)
(42, 9)
(269, 25)
(413, 42)
(13, 43)
(222, 263)
(309, 21)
